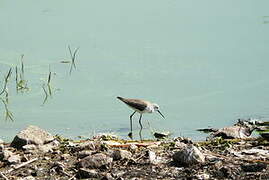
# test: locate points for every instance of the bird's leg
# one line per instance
(131, 125)
(141, 127)
(140, 135)
(140, 121)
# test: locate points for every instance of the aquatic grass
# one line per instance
(46, 94)
(8, 113)
(49, 77)
(21, 83)
(6, 81)
(5, 100)
(22, 65)
(73, 58)
(48, 82)
(47, 88)
(16, 75)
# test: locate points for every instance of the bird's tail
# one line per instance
(120, 98)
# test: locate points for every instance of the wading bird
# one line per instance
(140, 106)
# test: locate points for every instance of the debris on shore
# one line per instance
(35, 154)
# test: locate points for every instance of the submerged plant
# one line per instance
(47, 88)
(6, 81)
(73, 58)
(8, 113)
(21, 83)
(5, 99)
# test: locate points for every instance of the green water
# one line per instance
(204, 62)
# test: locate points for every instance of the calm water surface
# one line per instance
(204, 62)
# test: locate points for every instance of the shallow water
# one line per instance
(205, 63)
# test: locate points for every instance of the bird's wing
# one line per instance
(135, 103)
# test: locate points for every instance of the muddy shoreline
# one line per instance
(35, 154)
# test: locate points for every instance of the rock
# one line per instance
(118, 174)
(265, 135)
(2, 147)
(189, 156)
(107, 176)
(5, 154)
(27, 178)
(29, 147)
(253, 153)
(255, 167)
(58, 167)
(55, 143)
(46, 148)
(180, 145)
(161, 135)
(31, 135)
(121, 154)
(87, 173)
(14, 159)
(65, 157)
(133, 147)
(202, 176)
(153, 159)
(88, 145)
(223, 173)
(46, 158)
(233, 132)
(152, 156)
(95, 161)
(1, 141)
(83, 154)
(207, 130)
(106, 137)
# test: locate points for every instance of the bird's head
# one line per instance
(156, 108)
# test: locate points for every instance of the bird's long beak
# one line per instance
(161, 114)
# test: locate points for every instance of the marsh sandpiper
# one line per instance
(140, 106)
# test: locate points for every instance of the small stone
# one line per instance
(153, 158)
(57, 152)
(2, 147)
(189, 156)
(255, 167)
(106, 137)
(95, 161)
(46, 158)
(46, 148)
(31, 135)
(121, 154)
(5, 154)
(107, 176)
(28, 147)
(27, 178)
(84, 153)
(202, 176)
(180, 145)
(223, 172)
(233, 132)
(14, 159)
(65, 156)
(87, 173)
(133, 147)
(58, 166)
(55, 143)
(118, 174)
(88, 145)
(161, 135)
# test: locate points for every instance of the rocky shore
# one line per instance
(36, 154)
